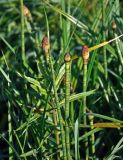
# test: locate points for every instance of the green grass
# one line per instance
(56, 109)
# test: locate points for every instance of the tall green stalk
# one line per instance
(104, 38)
(85, 55)
(67, 60)
(78, 120)
(58, 108)
(22, 34)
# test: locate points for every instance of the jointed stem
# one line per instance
(84, 107)
(85, 54)
(67, 96)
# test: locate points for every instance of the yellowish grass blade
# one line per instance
(108, 125)
(104, 43)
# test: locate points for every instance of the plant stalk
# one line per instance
(85, 55)
(104, 38)
(67, 60)
(92, 138)
(10, 131)
(56, 131)
(22, 34)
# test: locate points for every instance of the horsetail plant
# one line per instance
(46, 46)
(67, 59)
(85, 55)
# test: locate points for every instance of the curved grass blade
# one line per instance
(7, 44)
(12, 147)
(105, 117)
(78, 96)
(88, 134)
(107, 125)
(69, 17)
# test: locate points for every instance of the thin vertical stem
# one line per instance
(104, 38)
(72, 112)
(76, 135)
(78, 120)
(92, 138)
(67, 59)
(56, 131)
(84, 107)
(10, 131)
(58, 109)
(22, 33)
(85, 54)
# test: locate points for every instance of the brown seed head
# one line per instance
(45, 44)
(27, 12)
(67, 57)
(114, 26)
(85, 53)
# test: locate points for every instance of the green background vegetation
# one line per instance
(48, 106)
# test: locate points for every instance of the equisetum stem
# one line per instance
(58, 109)
(22, 33)
(85, 55)
(67, 60)
(92, 138)
(104, 48)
